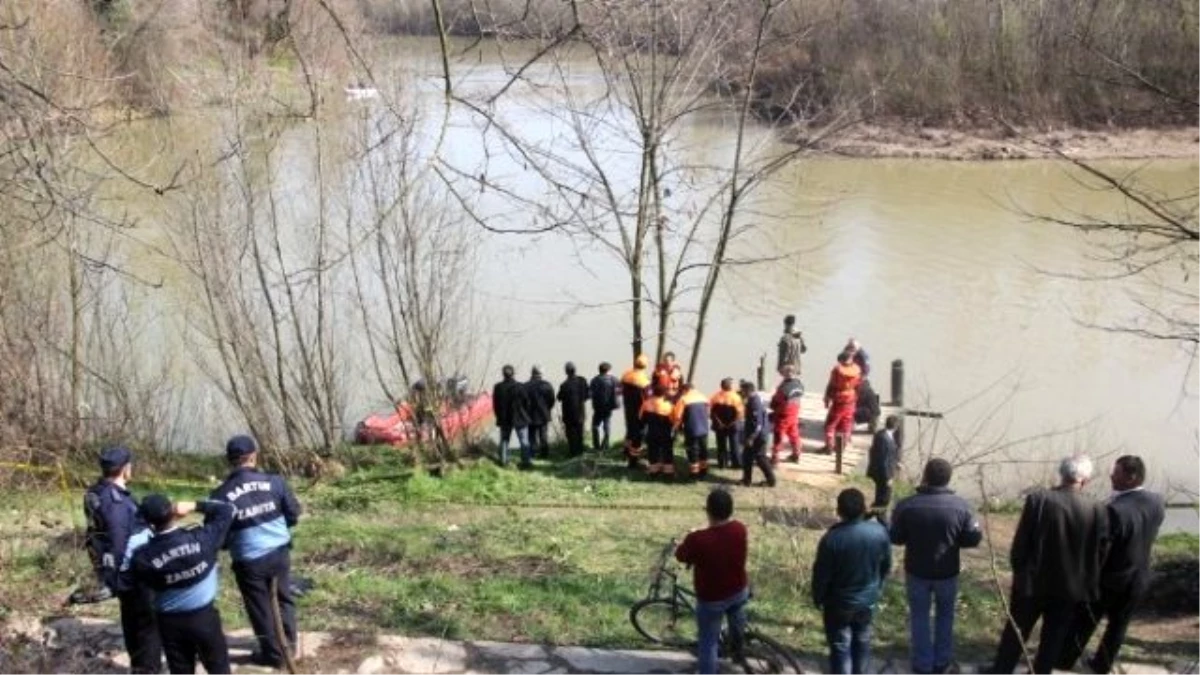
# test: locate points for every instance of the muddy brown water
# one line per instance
(932, 262)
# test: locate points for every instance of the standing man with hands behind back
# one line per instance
(260, 543)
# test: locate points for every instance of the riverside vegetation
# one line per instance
(555, 555)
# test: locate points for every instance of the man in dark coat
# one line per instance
(541, 402)
(510, 402)
(883, 462)
(1134, 517)
(574, 394)
(604, 401)
(1056, 558)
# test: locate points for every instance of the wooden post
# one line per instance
(839, 443)
(762, 372)
(898, 383)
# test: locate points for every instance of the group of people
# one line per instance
(165, 576)
(1075, 561)
(659, 406)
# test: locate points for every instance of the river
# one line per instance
(932, 262)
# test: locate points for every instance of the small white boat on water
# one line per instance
(360, 92)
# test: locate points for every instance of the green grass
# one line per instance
(554, 555)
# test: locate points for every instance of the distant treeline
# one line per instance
(1083, 63)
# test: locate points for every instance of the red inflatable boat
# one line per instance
(400, 426)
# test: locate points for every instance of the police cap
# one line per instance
(114, 458)
(238, 447)
(156, 509)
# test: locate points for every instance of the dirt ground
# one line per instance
(903, 140)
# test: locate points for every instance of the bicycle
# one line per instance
(667, 616)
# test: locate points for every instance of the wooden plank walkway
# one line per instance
(814, 468)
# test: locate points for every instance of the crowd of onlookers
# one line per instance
(1075, 560)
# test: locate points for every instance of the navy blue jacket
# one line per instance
(540, 394)
(932, 526)
(853, 559)
(266, 510)
(883, 456)
(604, 393)
(510, 402)
(1133, 521)
(756, 418)
(180, 564)
(111, 514)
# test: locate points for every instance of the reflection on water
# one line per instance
(929, 262)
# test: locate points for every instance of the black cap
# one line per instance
(238, 447)
(114, 458)
(156, 510)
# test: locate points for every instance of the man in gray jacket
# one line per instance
(932, 526)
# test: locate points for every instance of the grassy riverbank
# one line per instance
(555, 555)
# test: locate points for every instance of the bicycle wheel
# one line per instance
(762, 654)
(665, 621)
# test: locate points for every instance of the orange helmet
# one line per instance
(641, 361)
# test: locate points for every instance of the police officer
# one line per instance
(180, 566)
(260, 544)
(112, 521)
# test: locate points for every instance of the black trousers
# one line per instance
(1116, 605)
(696, 448)
(538, 441)
(574, 436)
(140, 629)
(883, 493)
(188, 635)
(755, 453)
(1057, 615)
(254, 581)
(728, 447)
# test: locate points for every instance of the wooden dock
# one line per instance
(817, 469)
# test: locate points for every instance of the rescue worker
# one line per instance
(573, 393)
(691, 416)
(510, 402)
(112, 522)
(841, 397)
(180, 566)
(754, 439)
(669, 376)
(604, 401)
(785, 409)
(791, 346)
(727, 412)
(635, 386)
(260, 543)
(541, 401)
(660, 431)
(860, 356)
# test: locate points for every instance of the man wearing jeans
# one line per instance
(717, 555)
(853, 559)
(932, 526)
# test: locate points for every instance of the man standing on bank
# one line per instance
(574, 393)
(932, 526)
(883, 462)
(260, 543)
(853, 559)
(727, 412)
(1056, 558)
(180, 566)
(1134, 517)
(791, 346)
(604, 401)
(111, 515)
(510, 401)
(540, 394)
(754, 435)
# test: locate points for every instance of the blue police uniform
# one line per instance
(112, 522)
(180, 566)
(259, 543)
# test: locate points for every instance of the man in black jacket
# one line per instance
(1134, 516)
(1056, 556)
(882, 463)
(541, 402)
(603, 389)
(932, 526)
(573, 393)
(754, 435)
(510, 402)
